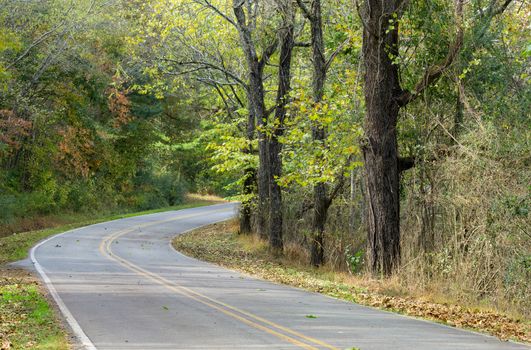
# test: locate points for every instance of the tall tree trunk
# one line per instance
(320, 199)
(256, 95)
(263, 156)
(284, 84)
(246, 206)
(320, 212)
(383, 99)
(250, 178)
(382, 89)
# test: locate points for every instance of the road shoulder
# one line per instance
(221, 245)
(29, 318)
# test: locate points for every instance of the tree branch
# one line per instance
(502, 8)
(339, 184)
(305, 10)
(268, 52)
(433, 73)
(335, 53)
(301, 44)
(208, 65)
(209, 5)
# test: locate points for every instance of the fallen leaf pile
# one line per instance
(218, 244)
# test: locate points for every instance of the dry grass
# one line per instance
(467, 219)
(210, 198)
(220, 244)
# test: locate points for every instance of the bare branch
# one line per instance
(209, 5)
(502, 8)
(339, 184)
(335, 53)
(268, 52)
(207, 65)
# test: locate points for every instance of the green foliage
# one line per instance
(354, 260)
(308, 161)
(75, 134)
(131, 104)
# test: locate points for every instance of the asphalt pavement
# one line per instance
(120, 285)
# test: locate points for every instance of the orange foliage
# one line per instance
(13, 129)
(76, 150)
(120, 106)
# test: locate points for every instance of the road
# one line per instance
(120, 285)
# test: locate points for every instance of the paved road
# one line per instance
(120, 285)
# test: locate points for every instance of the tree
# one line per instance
(384, 98)
(286, 42)
(320, 65)
(246, 25)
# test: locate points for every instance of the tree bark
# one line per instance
(319, 77)
(383, 99)
(246, 206)
(250, 178)
(284, 85)
(256, 95)
(318, 224)
(380, 152)
(320, 199)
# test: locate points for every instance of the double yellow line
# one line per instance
(248, 318)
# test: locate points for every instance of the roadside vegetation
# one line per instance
(384, 139)
(222, 245)
(27, 319)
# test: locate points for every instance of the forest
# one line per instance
(385, 138)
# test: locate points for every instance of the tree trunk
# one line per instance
(263, 156)
(256, 96)
(318, 224)
(383, 99)
(250, 178)
(321, 202)
(275, 212)
(246, 206)
(284, 84)
(380, 152)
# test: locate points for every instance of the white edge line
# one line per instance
(76, 328)
(72, 322)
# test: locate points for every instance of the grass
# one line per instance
(220, 244)
(40, 222)
(27, 319)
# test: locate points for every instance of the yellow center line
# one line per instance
(106, 249)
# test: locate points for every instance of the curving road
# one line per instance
(120, 285)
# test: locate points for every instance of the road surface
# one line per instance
(120, 285)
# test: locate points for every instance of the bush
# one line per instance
(473, 210)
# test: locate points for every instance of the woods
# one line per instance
(383, 138)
